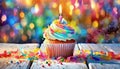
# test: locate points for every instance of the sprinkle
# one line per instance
(101, 63)
(96, 58)
(7, 62)
(17, 62)
(84, 62)
(11, 61)
(62, 59)
(20, 61)
(61, 63)
(43, 66)
(48, 64)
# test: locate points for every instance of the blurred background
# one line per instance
(24, 21)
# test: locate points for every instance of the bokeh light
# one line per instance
(23, 22)
(4, 18)
(24, 37)
(22, 14)
(54, 5)
(95, 24)
(95, 21)
(32, 25)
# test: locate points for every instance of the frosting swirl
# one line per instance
(59, 31)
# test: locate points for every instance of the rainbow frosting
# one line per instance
(59, 30)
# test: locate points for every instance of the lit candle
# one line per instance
(60, 11)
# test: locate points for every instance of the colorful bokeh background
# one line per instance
(95, 21)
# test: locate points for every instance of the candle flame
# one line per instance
(60, 9)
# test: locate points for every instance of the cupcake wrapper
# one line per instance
(56, 50)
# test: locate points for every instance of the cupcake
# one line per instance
(59, 39)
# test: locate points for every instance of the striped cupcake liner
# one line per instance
(56, 50)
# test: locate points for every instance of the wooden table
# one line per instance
(103, 66)
(40, 64)
(11, 63)
(81, 65)
(5, 63)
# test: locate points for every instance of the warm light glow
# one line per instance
(4, 18)
(54, 5)
(93, 4)
(95, 24)
(102, 12)
(32, 25)
(60, 9)
(23, 22)
(25, 3)
(71, 9)
(5, 38)
(24, 37)
(77, 11)
(76, 4)
(22, 14)
(36, 8)
(117, 1)
(28, 2)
